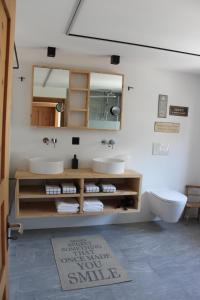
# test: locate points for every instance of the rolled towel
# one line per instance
(52, 189)
(68, 188)
(108, 188)
(91, 187)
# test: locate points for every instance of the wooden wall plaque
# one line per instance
(167, 127)
(178, 111)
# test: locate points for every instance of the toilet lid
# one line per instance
(169, 195)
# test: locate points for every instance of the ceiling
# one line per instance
(173, 24)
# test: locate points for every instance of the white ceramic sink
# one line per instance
(108, 165)
(40, 165)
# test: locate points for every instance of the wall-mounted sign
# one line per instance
(178, 111)
(162, 106)
(167, 127)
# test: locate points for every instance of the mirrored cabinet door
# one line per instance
(50, 96)
(105, 101)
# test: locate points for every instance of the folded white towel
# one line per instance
(70, 210)
(92, 209)
(91, 187)
(70, 205)
(92, 205)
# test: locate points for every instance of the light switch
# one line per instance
(160, 149)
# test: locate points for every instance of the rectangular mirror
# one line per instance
(50, 94)
(105, 101)
(76, 99)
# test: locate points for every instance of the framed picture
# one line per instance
(162, 106)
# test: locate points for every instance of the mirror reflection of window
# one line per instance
(105, 101)
(50, 90)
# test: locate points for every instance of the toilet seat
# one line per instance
(169, 195)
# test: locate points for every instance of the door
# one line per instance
(7, 16)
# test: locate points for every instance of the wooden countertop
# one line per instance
(73, 174)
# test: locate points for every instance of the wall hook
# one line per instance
(130, 88)
(22, 78)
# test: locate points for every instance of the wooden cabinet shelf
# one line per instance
(39, 192)
(78, 89)
(78, 110)
(32, 201)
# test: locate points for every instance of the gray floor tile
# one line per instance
(163, 262)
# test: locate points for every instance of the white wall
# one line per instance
(135, 138)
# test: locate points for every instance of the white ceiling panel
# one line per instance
(163, 23)
(173, 24)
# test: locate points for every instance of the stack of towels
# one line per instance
(91, 187)
(70, 206)
(108, 188)
(52, 189)
(68, 188)
(92, 205)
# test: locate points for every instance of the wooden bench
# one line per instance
(192, 204)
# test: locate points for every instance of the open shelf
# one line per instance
(32, 201)
(39, 192)
(43, 209)
(117, 193)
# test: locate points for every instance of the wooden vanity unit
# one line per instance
(32, 201)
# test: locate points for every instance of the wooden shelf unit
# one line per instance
(31, 200)
(79, 93)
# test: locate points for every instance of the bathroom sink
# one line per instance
(40, 165)
(108, 165)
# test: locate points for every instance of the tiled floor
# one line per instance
(163, 261)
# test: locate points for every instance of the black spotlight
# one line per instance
(51, 51)
(115, 59)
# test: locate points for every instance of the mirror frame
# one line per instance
(79, 71)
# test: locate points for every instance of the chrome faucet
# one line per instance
(54, 141)
(109, 143)
(47, 141)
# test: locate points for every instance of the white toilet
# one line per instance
(167, 204)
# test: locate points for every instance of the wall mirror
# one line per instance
(76, 99)
(50, 94)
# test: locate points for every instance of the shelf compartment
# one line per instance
(111, 207)
(119, 192)
(79, 80)
(43, 209)
(39, 192)
(77, 119)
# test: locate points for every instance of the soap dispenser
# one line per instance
(75, 162)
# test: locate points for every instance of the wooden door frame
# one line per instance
(9, 7)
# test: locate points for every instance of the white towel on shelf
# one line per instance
(52, 189)
(70, 205)
(92, 205)
(91, 187)
(68, 188)
(108, 188)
